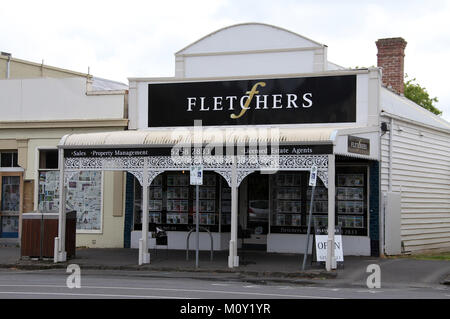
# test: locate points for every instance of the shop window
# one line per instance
(171, 202)
(287, 202)
(208, 212)
(10, 188)
(172, 205)
(8, 159)
(351, 199)
(291, 201)
(84, 192)
(48, 159)
(48, 191)
(10, 206)
(319, 206)
(225, 202)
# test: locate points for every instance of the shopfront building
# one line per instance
(271, 107)
(255, 193)
(272, 208)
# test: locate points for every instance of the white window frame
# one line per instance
(36, 189)
(10, 168)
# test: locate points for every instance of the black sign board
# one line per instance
(168, 151)
(323, 230)
(317, 231)
(328, 99)
(358, 145)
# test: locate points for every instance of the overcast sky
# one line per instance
(121, 39)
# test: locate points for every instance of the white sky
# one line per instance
(132, 38)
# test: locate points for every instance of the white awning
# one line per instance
(168, 137)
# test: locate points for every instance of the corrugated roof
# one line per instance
(401, 106)
(209, 135)
(99, 84)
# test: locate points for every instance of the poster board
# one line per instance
(84, 195)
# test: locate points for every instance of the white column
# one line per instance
(331, 260)
(61, 242)
(233, 259)
(143, 249)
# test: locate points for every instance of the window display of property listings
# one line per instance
(351, 200)
(291, 200)
(171, 202)
(287, 202)
(84, 195)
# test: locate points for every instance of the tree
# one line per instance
(419, 95)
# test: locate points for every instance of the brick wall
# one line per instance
(390, 57)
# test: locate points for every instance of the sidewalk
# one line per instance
(254, 266)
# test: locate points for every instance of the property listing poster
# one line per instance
(83, 196)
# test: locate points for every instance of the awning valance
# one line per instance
(168, 137)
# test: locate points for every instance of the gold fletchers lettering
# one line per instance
(250, 93)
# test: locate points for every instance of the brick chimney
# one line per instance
(391, 56)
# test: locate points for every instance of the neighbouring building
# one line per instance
(415, 165)
(38, 105)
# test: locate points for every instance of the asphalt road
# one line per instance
(98, 284)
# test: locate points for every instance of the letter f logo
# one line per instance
(250, 93)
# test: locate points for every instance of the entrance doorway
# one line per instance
(10, 194)
(257, 217)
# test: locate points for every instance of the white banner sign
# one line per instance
(197, 175)
(321, 247)
(313, 176)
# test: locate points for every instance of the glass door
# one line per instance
(10, 205)
(258, 211)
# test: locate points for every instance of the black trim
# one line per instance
(114, 152)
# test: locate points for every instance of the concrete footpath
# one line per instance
(255, 266)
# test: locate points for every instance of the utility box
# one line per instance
(393, 223)
(39, 229)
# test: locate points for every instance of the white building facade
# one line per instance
(251, 78)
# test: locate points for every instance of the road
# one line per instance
(97, 284)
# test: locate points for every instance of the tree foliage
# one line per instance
(419, 95)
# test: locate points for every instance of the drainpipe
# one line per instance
(390, 155)
(8, 63)
(383, 210)
(8, 66)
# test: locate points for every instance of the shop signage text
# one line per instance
(358, 145)
(321, 244)
(205, 151)
(329, 99)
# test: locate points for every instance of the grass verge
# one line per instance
(435, 256)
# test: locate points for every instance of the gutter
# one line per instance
(403, 119)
